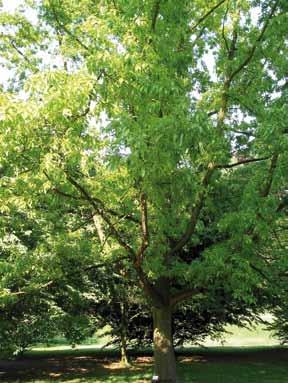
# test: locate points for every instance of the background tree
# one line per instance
(42, 285)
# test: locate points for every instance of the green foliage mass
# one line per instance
(128, 148)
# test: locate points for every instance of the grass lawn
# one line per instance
(209, 365)
(87, 363)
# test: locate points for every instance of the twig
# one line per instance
(13, 44)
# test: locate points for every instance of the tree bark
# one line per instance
(164, 357)
(124, 358)
(123, 336)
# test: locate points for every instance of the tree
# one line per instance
(278, 281)
(42, 284)
(180, 168)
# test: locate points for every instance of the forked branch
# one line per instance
(118, 236)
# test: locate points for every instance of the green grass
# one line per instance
(88, 363)
(239, 337)
(235, 337)
(235, 372)
(205, 365)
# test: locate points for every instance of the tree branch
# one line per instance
(99, 210)
(185, 294)
(197, 38)
(67, 195)
(267, 186)
(243, 162)
(16, 293)
(195, 213)
(119, 215)
(259, 271)
(65, 29)
(97, 206)
(207, 14)
(151, 291)
(99, 229)
(227, 81)
(253, 49)
(14, 46)
(144, 228)
(223, 28)
(155, 14)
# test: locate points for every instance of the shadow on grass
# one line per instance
(74, 370)
(216, 365)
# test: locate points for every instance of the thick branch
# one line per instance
(64, 194)
(267, 186)
(149, 289)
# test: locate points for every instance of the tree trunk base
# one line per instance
(164, 357)
(125, 364)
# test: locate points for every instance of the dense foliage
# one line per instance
(117, 139)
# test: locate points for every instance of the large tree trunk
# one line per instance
(165, 363)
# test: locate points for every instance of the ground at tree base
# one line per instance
(266, 365)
